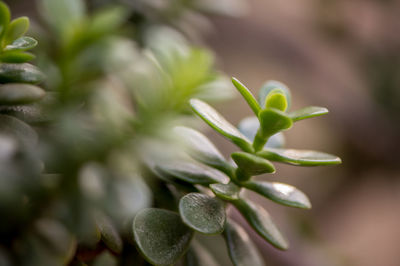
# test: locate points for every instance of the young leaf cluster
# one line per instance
(206, 214)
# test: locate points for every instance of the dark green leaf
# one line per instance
(15, 93)
(217, 122)
(21, 44)
(300, 157)
(192, 172)
(226, 191)
(308, 112)
(13, 127)
(281, 193)
(272, 121)
(197, 255)
(16, 57)
(161, 236)
(247, 95)
(252, 164)
(24, 73)
(16, 29)
(261, 222)
(202, 213)
(202, 149)
(242, 251)
(109, 233)
(273, 85)
(4, 17)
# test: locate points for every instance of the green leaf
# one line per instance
(14, 127)
(247, 95)
(22, 44)
(15, 94)
(227, 192)
(192, 172)
(4, 17)
(161, 236)
(107, 20)
(272, 121)
(16, 29)
(273, 85)
(277, 100)
(219, 123)
(16, 57)
(261, 222)
(300, 157)
(242, 251)
(249, 126)
(23, 73)
(109, 234)
(252, 164)
(202, 149)
(308, 112)
(197, 255)
(202, 213)
(280, 193)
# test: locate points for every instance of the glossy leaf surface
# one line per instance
(20, 93)
(242, 251)
(273, 85)
(161, 236)
(308, 112)
(219, 123)
(247, 95)
(24, 73)
(280, 193)
(300, 157)
(202, 213)
(272, 121)
(261, 222)
(16, 29)
(252, 164)
(16, 57)
(21, 44)
(276, 100)
(226, 191)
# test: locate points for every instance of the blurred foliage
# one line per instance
(91, 166)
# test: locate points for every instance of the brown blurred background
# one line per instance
(344, 55)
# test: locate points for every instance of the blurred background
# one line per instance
(344, 55)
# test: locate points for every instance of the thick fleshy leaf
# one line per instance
(4, 17)
(280, 193)
(242, 251)
(161, 236)
(249, 126)
(308, 112)
(109, 234)
(23, 73)
(16, 57)
(203, 213)
(261, 222)
(276, 99)
(14, 127)
(197, 255)
(226, 191)
(219, 123)
(273, 85)
(192, 172)
(16, 29)
(247, 95)
(202, 149)
(300, 157)
(252, 164)
(21, 44)
(14, 94)
(272, 121)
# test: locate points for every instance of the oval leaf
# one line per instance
(273, 85)
(272, 121)
(16, 57)
(242, 251)
(252, 164)
(247, 95)
(4, 17)
(24, 73)
(261, 222)
(16, 29)
(226, 191)
(161, 236)
(109, 234)
(202, 149)
(280, 193)
(300, 157)
(21, 44)
(202, 213)
(217, 122)
(14, 94)
(192, 172)
(308, 112)
(277, 100)
(13, 127)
